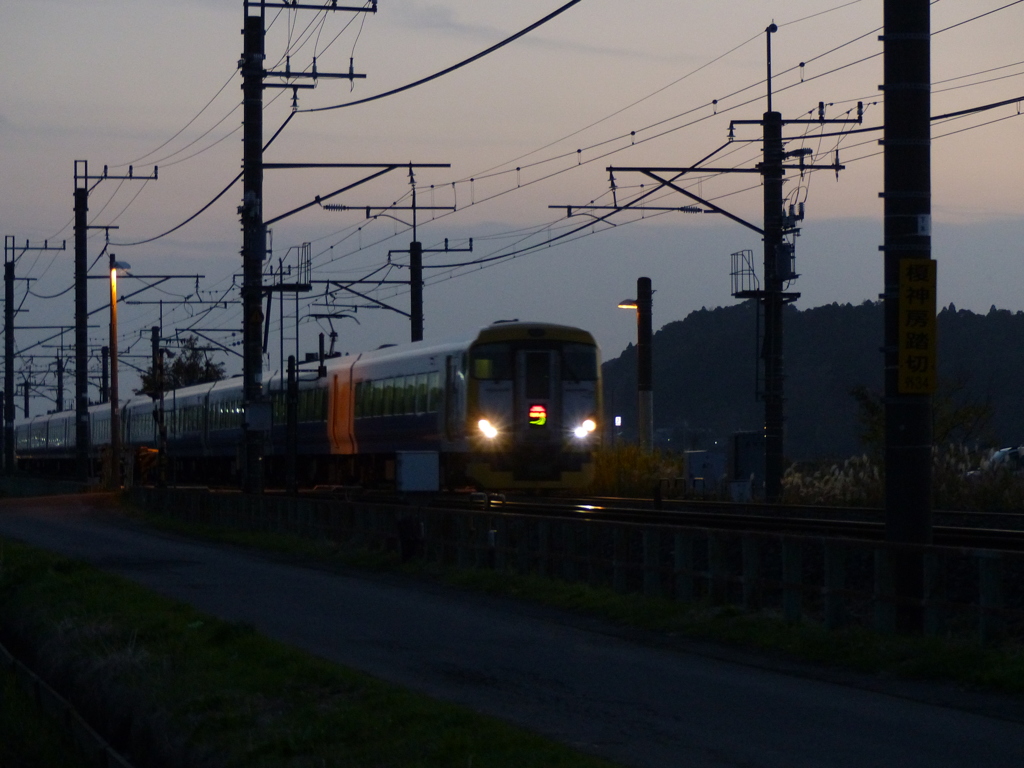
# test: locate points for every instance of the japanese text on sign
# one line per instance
(917, 327)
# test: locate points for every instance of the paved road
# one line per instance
(578, 681)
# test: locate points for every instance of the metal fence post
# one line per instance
(500, 544)
(751, 573)
(885, 599)
(932, 595)
(652, 572)
(683, 566)
(990, 599)
(543, 547)
(718, 584)
(835, 583)
(792, 581)
(569, 566)
(618, 564)
(460, 543)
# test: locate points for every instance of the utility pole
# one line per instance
(253, 252)
(11, 255)
(257, 418)
(82, 227)
(9, 413)
(60, 383)
(158, 353)
(104, 367)
(644, 368)
(778, 254)
(415, 252)
(909, 298)
(773, 301)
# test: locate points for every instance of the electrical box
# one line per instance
(417, 471)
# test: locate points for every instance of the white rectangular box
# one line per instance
(417, 470)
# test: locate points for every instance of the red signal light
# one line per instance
(538, 415)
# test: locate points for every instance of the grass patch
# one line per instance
(175, 683)
(28, 737)
(995, 668)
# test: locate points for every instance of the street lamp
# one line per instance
(644, 379)
(115, 406)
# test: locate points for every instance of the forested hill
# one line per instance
(705, 369)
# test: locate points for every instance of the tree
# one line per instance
(959, 417)
(191, 365)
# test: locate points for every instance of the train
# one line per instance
(512, 406)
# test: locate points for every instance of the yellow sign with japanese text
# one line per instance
(917, 340)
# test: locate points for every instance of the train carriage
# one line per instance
(511, 407)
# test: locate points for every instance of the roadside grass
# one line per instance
(180, 687)
(28, 737)
(998, 667)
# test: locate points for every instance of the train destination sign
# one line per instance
(917, 339)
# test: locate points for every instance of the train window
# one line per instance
(434, 392)
(377, 398)
(579, 362)
(398, 404)
(388, 398)
(310, 405)
(398, 396)
(357, 408)
(421, 393)
(538, 374)
(492, 361)
(279, 407)
(410, 394)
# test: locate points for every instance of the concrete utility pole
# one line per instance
(82, 227)
(81, 324)
(643, 304)
(11, 255)
(257, 418)
(9, 413)
(416, 251)
(910, 360)
(644, 367)
(254, 247)
(778, 255)
(773, 299)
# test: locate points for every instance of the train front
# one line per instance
(532, 407)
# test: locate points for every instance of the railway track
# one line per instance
(837, 522)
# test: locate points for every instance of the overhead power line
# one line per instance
(454, 67)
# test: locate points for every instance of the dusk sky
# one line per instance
(535, 124)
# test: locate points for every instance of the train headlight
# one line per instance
(585, 428)
(489, 430)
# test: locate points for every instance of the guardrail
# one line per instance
(94, 748)
(836, 581)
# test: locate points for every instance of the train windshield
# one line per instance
(579, 362)
(492, 362)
